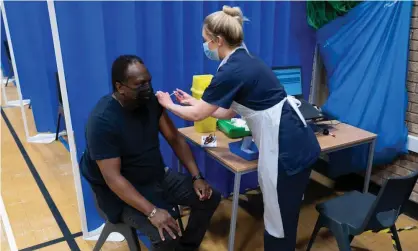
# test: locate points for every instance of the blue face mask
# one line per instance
(211, 54)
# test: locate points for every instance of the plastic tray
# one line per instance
(235, 148)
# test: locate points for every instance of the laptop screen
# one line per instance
(290, 78)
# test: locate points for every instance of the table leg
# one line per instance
(235, 197)
(369, 167)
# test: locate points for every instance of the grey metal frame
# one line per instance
(237, 182)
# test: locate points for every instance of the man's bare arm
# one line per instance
(110, 169)
(178, 144)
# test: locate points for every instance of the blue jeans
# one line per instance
(290, 190)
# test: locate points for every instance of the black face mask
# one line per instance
(144, 93)
(141, 94)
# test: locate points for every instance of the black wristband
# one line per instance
(197, 177)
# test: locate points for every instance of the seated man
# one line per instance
(125, 168)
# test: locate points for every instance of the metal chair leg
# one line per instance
(7, 81)
(128, 232)
(343, 239)
(131, 237)
(395, 239)
(351, 238)
(181, 225)
(58, 126)
(177, 209)
(107, 230)
(10, 71)
(315, 232)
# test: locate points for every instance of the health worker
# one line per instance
(245, 85)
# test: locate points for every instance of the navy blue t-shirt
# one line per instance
(246, 80)
(112, 132)
(250, 82)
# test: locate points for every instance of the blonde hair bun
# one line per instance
(226, 23)
(232, 11)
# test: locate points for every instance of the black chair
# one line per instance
(60, 106)
(127, 231)
(354, 213)
(9, 61)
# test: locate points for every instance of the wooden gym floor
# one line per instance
(37, 188)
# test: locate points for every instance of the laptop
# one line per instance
(291, 79)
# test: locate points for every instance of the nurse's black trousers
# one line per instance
(290, 190)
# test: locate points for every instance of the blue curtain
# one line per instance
(4, 61)
(365, 54)
(31, 37)
(167, 36)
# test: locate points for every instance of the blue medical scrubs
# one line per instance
(245, 81)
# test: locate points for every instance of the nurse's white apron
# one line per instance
(265, 126)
